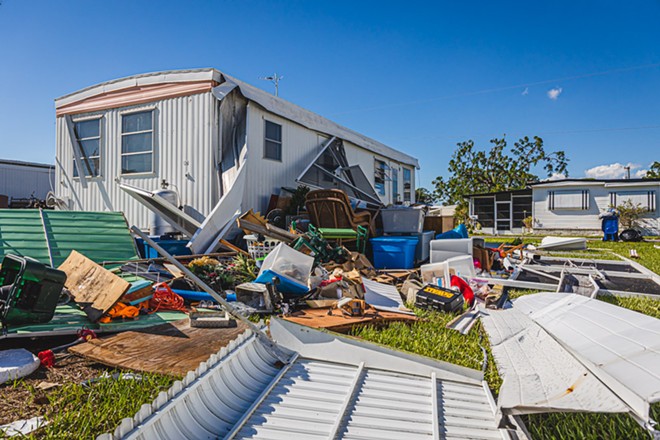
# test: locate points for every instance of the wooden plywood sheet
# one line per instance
(92, 287)
(172, 349)
(319, 318)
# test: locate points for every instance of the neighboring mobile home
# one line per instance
(565, 206)
(22, 180)
(193, 131)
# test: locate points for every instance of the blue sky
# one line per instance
(417, 76)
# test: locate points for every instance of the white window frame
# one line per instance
(130, 112)
(410, 190)
(99, 118)
(266, 139)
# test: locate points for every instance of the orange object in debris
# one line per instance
(165, 299)
(119, 310)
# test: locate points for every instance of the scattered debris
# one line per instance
(16, 363)
(563, 244)
(23, 427)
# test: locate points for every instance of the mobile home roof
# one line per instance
(270, 102)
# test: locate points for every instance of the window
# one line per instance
(137, 142)
(379, 176)
(574, 199)
(407, 185)
(88, 134)
(395, 185)
(644, 199)
(273, 141)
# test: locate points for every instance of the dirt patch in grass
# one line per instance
(28, 397)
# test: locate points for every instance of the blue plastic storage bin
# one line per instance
(287, 285)
(173, 247)
(394, 252)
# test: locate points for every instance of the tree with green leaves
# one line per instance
(423, 195)
(654, 171)
(500, 168)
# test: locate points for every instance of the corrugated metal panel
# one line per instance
(242, 395)
(22, 181)
(22, 233)
(619, 346)
(100, 236)
(184, 132)
(209, 401)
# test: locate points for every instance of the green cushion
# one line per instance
(337, 233)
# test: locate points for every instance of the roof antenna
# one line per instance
(275, 79)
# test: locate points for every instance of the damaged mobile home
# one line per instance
(200, 134)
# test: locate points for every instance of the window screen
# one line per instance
(484, 209)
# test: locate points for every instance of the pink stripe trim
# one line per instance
(134, 96)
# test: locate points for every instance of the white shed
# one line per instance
(193, 131)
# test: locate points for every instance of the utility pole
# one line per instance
(627, 172)
(275, 79)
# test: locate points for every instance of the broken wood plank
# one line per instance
(173, 270)
(319, 318)
(92, 287)
(172, 349)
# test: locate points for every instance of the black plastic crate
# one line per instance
(432, 297)
(30, 290)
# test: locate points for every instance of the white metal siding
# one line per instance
(22, 181)
(599, 201)
(184, 131)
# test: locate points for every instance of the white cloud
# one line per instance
(525, 92)
(614, 171)
(554, 93)
(556, 176)
(640, 173)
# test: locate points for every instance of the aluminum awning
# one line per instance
(179, 220)
(334, 387)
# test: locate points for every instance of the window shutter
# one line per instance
(568, 199)
(644, 198)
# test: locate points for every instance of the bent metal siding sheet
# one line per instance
(619, 346)
(244, 392)
(538, 374)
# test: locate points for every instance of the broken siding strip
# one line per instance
(539, 375)
(619, 346)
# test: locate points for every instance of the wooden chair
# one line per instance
(331, 208)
